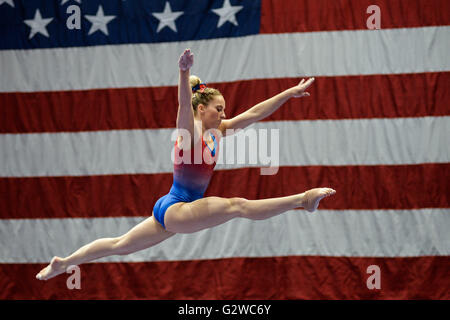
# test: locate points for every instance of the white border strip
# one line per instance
(331, 53)
(352, 233)
(301, 143)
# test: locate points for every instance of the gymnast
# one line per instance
(201, 120)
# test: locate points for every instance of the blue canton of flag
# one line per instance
(28, 24)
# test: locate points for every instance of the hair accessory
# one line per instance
(200, 87)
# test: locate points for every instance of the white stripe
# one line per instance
(388, 51)
(352, 233)
(301, 143)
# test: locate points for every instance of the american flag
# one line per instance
(88, 102)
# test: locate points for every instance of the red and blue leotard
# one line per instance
(191, 175)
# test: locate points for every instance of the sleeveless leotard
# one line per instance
(192, 173)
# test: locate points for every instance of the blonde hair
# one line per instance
(201, 97)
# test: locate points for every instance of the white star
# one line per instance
(38, 24)
(10, 2)
(227, 13)
(64, 1)
(167, 18)
(99, 21)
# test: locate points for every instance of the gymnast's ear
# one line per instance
(201, 107)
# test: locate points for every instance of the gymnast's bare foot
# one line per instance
(56, 267)
(311, 198)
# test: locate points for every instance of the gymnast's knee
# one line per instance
(121, 246)
(238, 206)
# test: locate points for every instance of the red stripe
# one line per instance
(358, 187)
(294, 277)
(330, 15)
(346, 97)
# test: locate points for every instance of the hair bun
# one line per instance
(194, 81)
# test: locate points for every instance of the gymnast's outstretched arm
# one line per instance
(185, 116)
(266, 108)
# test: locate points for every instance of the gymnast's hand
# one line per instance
(186, 60)
(299, 90)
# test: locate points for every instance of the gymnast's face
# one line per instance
(213, 113)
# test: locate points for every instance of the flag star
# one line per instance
(99, 21)
(38, 24)
(167, 18)
(227, 13)
(64, 1)
(10, 2)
